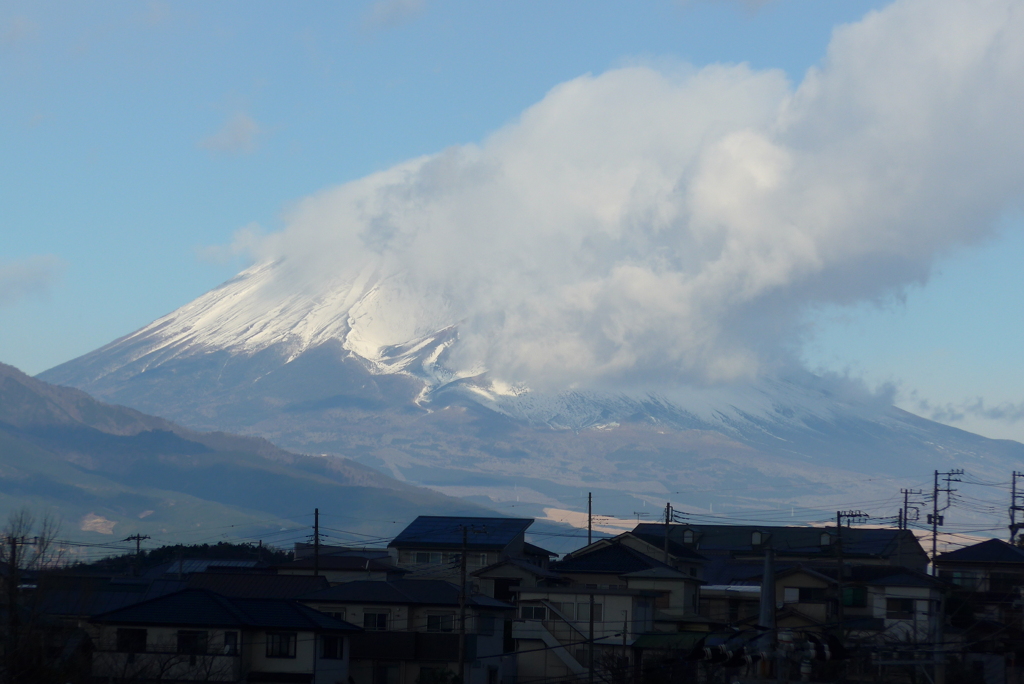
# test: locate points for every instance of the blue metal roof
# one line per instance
(445, 532)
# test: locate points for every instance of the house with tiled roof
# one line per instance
(987, 603)
(411, 627)
(198, 635)
(432, 546)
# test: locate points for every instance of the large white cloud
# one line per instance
(674, 224)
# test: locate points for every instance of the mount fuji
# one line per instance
(360, 368)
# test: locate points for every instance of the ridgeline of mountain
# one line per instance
(112, 470)
(357, 370)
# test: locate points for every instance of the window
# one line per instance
(967, 580)
(825, 539)
(755, 539)
(431, 557)
(688, 537)
(281, 644)
(337, 614)
(583, 612)
(813, 594)
(332, 647)
(855, 597)
(192, 642)
(440, 622)
(375, 621)
(693, 571)
(131, 640)
(533, 613)
(485, 625)
(804, 594)
(899, 609)
(230, 643)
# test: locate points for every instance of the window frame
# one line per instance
(232, 647)
(533, 612)
(899, 613)
(281, 644)
(124, 635)
(201, 640)
(379, 617)
(440, 620)
(337, 650)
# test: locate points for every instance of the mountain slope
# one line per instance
(112, 470)
(325, 376)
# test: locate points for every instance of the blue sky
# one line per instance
(136, 136)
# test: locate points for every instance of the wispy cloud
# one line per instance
(243, 242)
(240, 134)
(1006, 412)
(32, 276)
(385, 14)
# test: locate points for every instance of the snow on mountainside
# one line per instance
(375, 323)
(359, 368)
(250, 313)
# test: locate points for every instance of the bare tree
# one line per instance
(33, 644)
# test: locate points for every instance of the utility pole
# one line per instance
(590, 518)
(590, 647)
(904, 517)
(137, 538)
(934, 519)
(316, 542)
(849, 515)
(1014, 507)
(668, 519)
(462, 605)
(12, 607)
(908, 506)
(463, 598)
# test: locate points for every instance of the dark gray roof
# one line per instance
(857, 541)
(534, 550)
(657, 539)
(244, 585)
(70, 595)
(403, 592)
(445, 532)
(990, 551)
(344, 563)
(187, 566)
(202, 608)
(535, 570)
(615, 558)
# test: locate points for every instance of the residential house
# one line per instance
(553, 633)
(412, 627)
(432, 546)
(987, 605)
(736, 552)
(197, 635)
(619, 563)
(501, 580)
